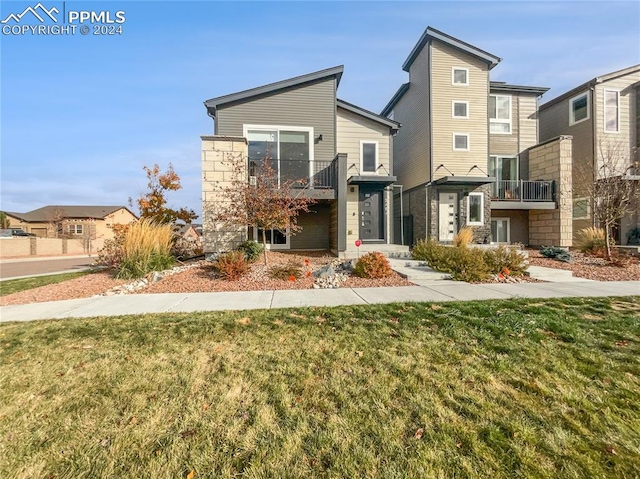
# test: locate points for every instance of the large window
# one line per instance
(460, 76)
(75, 229)
(505, 170)
(288, 149)
(611, 111)
(475, 209)
(579, 108)
(460, 142)
(500, 114)
(368, 157)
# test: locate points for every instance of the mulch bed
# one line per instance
(589, 267)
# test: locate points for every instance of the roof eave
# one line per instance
(395, 99)
(394, 125)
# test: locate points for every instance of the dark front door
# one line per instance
(370, 214)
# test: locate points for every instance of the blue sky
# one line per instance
(80, 115)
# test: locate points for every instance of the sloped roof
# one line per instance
(394, 125)
(590, 83)
(214, 103)
(68, 211)
(431, 33)
(395, 99)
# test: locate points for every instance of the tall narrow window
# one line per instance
(369, 156)
(611, 111)
(579, 108)
(475, 209)
(500, 114)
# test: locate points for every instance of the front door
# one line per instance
(370, 214)
(447, 218)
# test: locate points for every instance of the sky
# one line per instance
(82, 114)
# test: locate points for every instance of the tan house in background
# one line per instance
(602, 117)
(57, 221)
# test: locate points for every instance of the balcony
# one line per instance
(315, 176)
(523, 194)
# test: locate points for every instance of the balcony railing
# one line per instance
(306, 174)
(523, 190)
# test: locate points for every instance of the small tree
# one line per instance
(611, 189)
(153, 204)
(4, 220)
(266, 202)
(55, 221)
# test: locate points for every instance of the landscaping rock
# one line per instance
(324, 272)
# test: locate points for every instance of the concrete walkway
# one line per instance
(429, 291)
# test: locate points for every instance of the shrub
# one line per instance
(285, 272)
(465, 264)
(555, 252)
(427, 250)
(633, 236)
(111, 254)
(184, 248)
(231, 265)
(146, 247)
(463, 238)
(251, 250)
(373, 265)
(591, 240)
(504, 259)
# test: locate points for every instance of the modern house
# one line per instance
(466, 154)
(54, 221)
(602, 117)
(341, 154)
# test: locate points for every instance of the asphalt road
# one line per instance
(27, 268)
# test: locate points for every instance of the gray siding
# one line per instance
(312, 105)
(316, 226)
(518, 224)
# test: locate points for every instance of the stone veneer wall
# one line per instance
(218, 155)
(552, 160)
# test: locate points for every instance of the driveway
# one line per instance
(31, 267)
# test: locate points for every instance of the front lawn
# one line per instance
(495, 389)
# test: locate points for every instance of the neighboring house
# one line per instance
(343, 151)
(190, 232)
(466, 154)
(53, 221)
(602, 117)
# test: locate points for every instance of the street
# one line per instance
(29, 267)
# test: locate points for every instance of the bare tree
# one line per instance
(262, 199)
(55, 219)
(610, 186)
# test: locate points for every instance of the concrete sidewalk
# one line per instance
(430, 291)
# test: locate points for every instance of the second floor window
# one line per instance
(500, 114)
(611, 109)
(369, 156)
(460, 142)
(579, 108)
(460, 109)
(460, 76)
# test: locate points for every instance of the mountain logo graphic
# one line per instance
(38, 11)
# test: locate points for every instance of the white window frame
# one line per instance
(468, 148)
(571, 114)
(278, 128)
(604, 110)
(375, 171)
(475, 223)
(453, 78)
(453, 109)
(582, 198)
(270, 246)
(73, 229)
(508, 220)
(502, 121)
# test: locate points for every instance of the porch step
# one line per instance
(412, 269)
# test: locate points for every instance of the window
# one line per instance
(505, 170)
(275, 239)
(611, 111)
(500, 114)
(500, 230)
(288, 149)
(460, 109)
(579, 108)
(460, 76)
(75, 229)
(461, 142)
(475, 209)
(368, 157)
(581, 208)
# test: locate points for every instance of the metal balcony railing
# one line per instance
(306, 174)
(523, 190)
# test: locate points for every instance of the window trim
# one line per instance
(453, 109)
(370, 142)
(475, 223)
(73, 229)
(571, 113)
(270, 246)
(453, 71)
(604, 110)
(581, 198)
(502, 121)
(247, 126)
(508, 220)
(456, 133)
